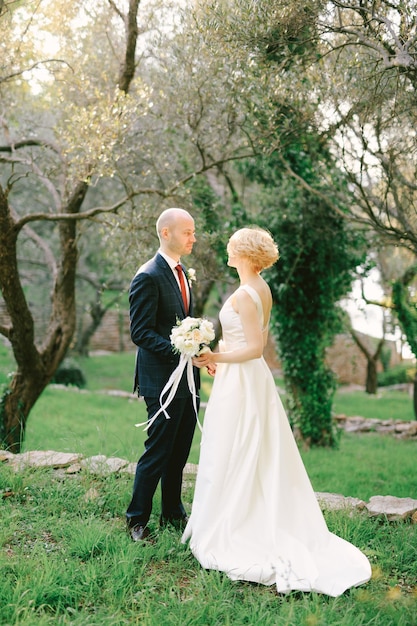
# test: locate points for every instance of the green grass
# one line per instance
(116, 372)
(384, 405)
(65, 557)
(108, 371)
(365, 465)
(68, 420)
(93, 423)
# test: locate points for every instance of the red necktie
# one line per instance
(182, 285)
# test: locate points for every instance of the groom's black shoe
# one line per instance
(138, 532)
(179, 523)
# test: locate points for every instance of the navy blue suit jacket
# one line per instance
(155, 306)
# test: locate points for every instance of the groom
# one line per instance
(159, 296)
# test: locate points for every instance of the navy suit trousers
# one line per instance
(166, 452)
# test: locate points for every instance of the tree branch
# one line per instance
(25, 143)
(314, 191)
(383, 305)
(364, 349)
(164, 193)
(48, 217)
(117, 10)
(127, 71)
(50, 259)
(5, 79)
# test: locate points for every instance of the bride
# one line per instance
(255, 515)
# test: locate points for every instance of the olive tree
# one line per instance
(94, 136)
(54, 154)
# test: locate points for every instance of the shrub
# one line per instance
(397, 375)
(69, 373)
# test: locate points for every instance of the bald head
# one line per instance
(169, 218)
(175, 229)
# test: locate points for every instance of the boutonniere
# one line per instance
(191, 277)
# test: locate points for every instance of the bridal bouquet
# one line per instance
(191, 335)
(189, 338)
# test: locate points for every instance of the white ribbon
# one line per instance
(171, 389)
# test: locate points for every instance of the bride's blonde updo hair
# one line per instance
(255, 244)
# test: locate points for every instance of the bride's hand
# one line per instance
(204, 359)
(211, 369)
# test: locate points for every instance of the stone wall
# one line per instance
(113, 335)
(389, 508)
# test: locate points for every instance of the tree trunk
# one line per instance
(16, 405)
(35, 364)
(371, 383)
(371, 376)
(97, 312)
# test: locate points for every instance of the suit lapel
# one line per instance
(169, 274)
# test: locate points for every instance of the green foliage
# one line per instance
(385, 357)
(405, 307)
(318, 254)
(69, 373)
(318, 249)
(7, 364)
(397, 375)
(3, 400)
(317, 258)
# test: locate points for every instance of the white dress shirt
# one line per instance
(172, 263)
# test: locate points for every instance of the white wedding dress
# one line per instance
(255, 515)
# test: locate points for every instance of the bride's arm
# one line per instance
(253, 335)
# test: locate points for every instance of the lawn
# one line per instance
(92, 421)
(384, 405)
(69, 420)
(65, 557)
